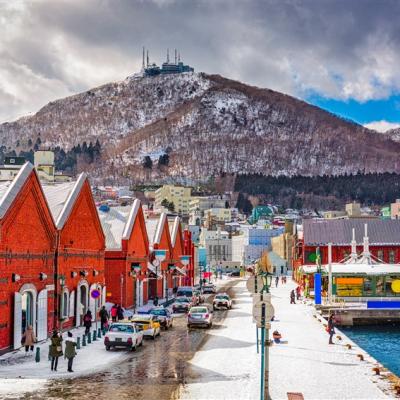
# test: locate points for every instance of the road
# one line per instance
(155, 371)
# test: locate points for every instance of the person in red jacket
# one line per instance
(114, 312)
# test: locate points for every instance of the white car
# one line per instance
(123, 334)
(222, 300)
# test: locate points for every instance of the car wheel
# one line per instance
(214, 308)
(154, 336)
(108, 348)
(188, 325)
(166, 327)
(141, 343)
(133, 348)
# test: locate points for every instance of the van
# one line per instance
(189, 292)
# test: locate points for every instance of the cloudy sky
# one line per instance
(343, 55)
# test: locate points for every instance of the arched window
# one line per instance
(65, 305)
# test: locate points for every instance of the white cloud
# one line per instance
(382, 126)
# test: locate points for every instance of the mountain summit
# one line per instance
(208, 125)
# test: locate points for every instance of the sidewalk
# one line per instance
(307, 364)
(20, 373)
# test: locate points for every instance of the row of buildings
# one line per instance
(57, 247)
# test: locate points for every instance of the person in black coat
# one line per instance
(292, 297)
(331, 328)
(87, 321)
(120, 313)
(104, 316)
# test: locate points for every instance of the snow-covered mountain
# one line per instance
(393, 134)
(208, 125)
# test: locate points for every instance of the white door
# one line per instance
(103, 296)
(78, 307)
(92, 300)
(71, 303)
(42, 315)
(164, 287)
(17, 320)
(139, 293)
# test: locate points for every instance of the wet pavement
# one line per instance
(155, 371)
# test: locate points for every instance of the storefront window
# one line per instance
(380, 255)
(367, 287)
(391, 257)
(380, 287)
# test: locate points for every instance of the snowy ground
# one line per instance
(228, 367)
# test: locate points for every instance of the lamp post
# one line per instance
(185, 260)
(135, 272)
(171, 268)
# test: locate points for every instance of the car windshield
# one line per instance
(122, 328)
(182, 300)
(187, 293)
(198, 310)
(222, 297)
(158, 312)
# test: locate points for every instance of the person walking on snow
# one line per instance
(55, 349)
(120, 313)
(331, 328)
(298, 292)
(103, 317)
(28, 339)
(292, 297)
(87, 322)
(114, 312)
(276, 281)
(70, 353)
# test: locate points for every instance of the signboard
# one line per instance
(269, 312)
(95, 294)
(251, 282)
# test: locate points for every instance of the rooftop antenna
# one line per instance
(143, 60)
(175, 56)
(179, 57)
(167, 56)
(366, 253)
(353, 255)
(147, 58)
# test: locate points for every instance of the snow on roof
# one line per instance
(173, 226)
(131, 219)
(61, 198)
(10, 190)
(154, 228)
(114, 223)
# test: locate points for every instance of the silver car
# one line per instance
(199, 315)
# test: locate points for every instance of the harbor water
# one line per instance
(381, 342)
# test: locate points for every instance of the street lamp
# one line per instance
(160, 256)
(62, 284)
(185, 260)
(171, 268)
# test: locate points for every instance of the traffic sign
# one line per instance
(257, 310)
(251, 284)
(95, 293)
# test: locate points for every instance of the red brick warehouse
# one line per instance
(127, 255)
(79, 258)
(27, 246)
(159, 239)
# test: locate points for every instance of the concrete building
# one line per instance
(353, 210)
(44, 164)
(395, 209)
(334, 214)
(11, 167)
(218, 214)
(179, 195)
(207, 202)
(218, 245)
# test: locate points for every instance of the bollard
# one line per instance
(94, 335)
(89, 338)
(99, 333)
(83, 340)
(37, 356)
(78, 343)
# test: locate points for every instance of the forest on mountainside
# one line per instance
(322, 191)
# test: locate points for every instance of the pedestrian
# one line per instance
(120, 313)
(298, 292)
(114, 312)
(81, 310)
(70, 352)
(87, 322)
(285, 281)
(331, 328)
(292, 297)
(55, 349)
(155, 301)
(282, 279)
(104, 316)
(276, 281)
(28, 339)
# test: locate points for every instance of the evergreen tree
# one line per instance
(147, 163)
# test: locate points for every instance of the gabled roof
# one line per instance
(154, 228)
(174, 229)
(10, 190)
(118, 223)
(339, 232)
(61, 198)
(113, 223)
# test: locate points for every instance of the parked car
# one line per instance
(209, 288)
(123, 334)
(234, 273)
(148, 324)
(187, 291)
(199, 315)
(222, 300)
(163, 316)
(181, 304)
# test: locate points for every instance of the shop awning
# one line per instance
(181, 271)
(154, 270)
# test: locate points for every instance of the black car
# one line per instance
(163, 316)
(234, 273)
